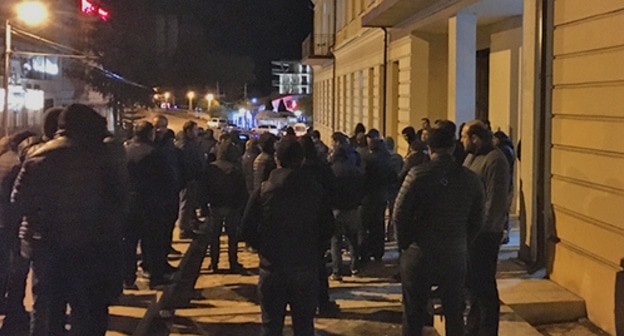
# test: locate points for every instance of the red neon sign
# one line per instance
(92, 9)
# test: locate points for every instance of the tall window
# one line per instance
(339, 12)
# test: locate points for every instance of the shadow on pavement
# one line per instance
(232, 292)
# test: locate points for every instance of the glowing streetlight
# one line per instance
(190, 95)
(209, 98)
(31, 13)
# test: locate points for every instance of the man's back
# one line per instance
(71, 193)
(289, 214)
(439, 207)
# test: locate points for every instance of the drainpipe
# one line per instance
(545, 233)
(334, 90)
(384, 110)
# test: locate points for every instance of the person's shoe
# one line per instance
(335, 277)
(355, 272)
(173, 252)
(329, 309)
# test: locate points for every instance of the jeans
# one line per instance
(484, 313)
(349, 224)
(188, 205)
(419, 271)
(297, 287)
(231, 217)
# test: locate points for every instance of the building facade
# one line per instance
(547, 72)
(293, 77)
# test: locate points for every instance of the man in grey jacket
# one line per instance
(491, 165)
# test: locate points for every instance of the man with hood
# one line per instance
(72, 194)
(288, 241)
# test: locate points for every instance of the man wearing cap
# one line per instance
(438, 213)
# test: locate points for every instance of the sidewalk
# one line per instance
(370, 304)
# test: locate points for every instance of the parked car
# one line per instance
(217, 123)
(266, 129)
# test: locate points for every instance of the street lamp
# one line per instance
(167, 95)
(31, 13)
(190, 95)
(209, 98)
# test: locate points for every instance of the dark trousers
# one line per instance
(231, 218)
(14, 288)
(373, 221)
(484, 313)
(87, 278)
(418, 273)
(296, 287)
(323, 282)
(153, 235)
(188, 205)
(49, 299)
(349, 225)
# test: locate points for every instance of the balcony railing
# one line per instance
(317, 46)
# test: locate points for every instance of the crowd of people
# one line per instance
(75, 204)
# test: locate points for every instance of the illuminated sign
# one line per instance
(92, 9)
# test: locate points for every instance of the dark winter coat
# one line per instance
(153, 183)
(74, 197)
(348, 185)
(378, 173)
(10, 165)
(193, 159)
(439, 207)
(287, 219)
(223, 185)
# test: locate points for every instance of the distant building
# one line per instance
(293, 77)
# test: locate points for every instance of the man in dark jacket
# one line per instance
(223, 187)
(346, 201)
(378, 176)
(72, 192)
(152, 182)
(193, 159)
(286, 220)
(490, 164)
(438, 213)
(264, 163)
(164, 142)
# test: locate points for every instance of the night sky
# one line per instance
(264, 30)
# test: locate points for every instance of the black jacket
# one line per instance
(287, 219)
(262, 167)
(153, 183)
(378, 173)
(439, 207)
(348, 185)
(73, 197)
(223, 185)
(193, 159)
(10, 165)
